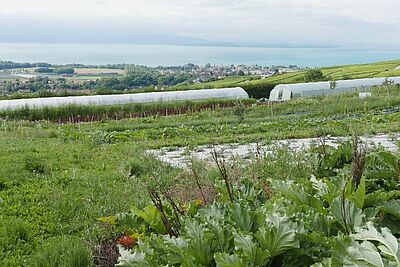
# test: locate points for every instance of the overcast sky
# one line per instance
(311, 22)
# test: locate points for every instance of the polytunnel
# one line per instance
(203, 94)
(283, 92)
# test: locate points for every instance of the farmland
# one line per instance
(114, 79)
(92, 185)
(258, 88)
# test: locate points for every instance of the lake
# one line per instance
(153, 55)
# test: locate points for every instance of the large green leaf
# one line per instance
(176, 248)
(294, 193)
(250, 251)
(388, 244)
(391, 208)
(328, 190)
(129, 259)
(242, 218)
(151, 216)
(214, 211)
(222, 235)
(358, 196)
(199, 244)
(375, 198)
(226, 260)
(279, 237)
(321, 187)
(347, 214)
(364, 254)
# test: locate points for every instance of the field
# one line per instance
(70, 192)
(82, 74)
(97, 71)
(258, 88)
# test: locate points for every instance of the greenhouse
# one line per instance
(223, 93)
(284, 92)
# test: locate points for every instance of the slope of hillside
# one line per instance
(258, 88)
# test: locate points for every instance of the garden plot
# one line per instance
(180, 157)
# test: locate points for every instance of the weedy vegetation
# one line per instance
(326, 212)
(82, 194)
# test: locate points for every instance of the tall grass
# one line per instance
(63, 251)
(78, 113)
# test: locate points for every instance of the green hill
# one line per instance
(257, 87)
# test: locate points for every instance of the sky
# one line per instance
(236, 22)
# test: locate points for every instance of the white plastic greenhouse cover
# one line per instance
(223, 93)
(283, 92)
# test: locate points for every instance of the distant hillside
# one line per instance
(258, 88)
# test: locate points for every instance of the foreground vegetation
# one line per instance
(327, 207)
(70, 192)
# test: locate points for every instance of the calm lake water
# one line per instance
(153, 55)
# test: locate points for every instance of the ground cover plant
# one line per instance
(63, 184)
(327, 211)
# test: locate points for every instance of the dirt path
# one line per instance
(180, 157)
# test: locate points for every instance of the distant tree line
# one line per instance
(4, 65)
(133, 80)
(53, 70)
(142, 79)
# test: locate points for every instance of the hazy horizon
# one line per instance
(272, 23)
(170, 55)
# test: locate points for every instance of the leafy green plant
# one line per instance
(321, 220)
(239, 111)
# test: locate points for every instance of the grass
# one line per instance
(56, 180)
(81, 113)
(58, 186)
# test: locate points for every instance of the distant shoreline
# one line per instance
(211, 44)
(171, 55)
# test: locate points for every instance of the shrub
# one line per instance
(44, 70)
(239, 111)
(65, 71)
(258, 90)
(314, 75)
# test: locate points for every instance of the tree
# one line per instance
(314, 75)
(65, 71)
(240, 73)
(44, 70)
